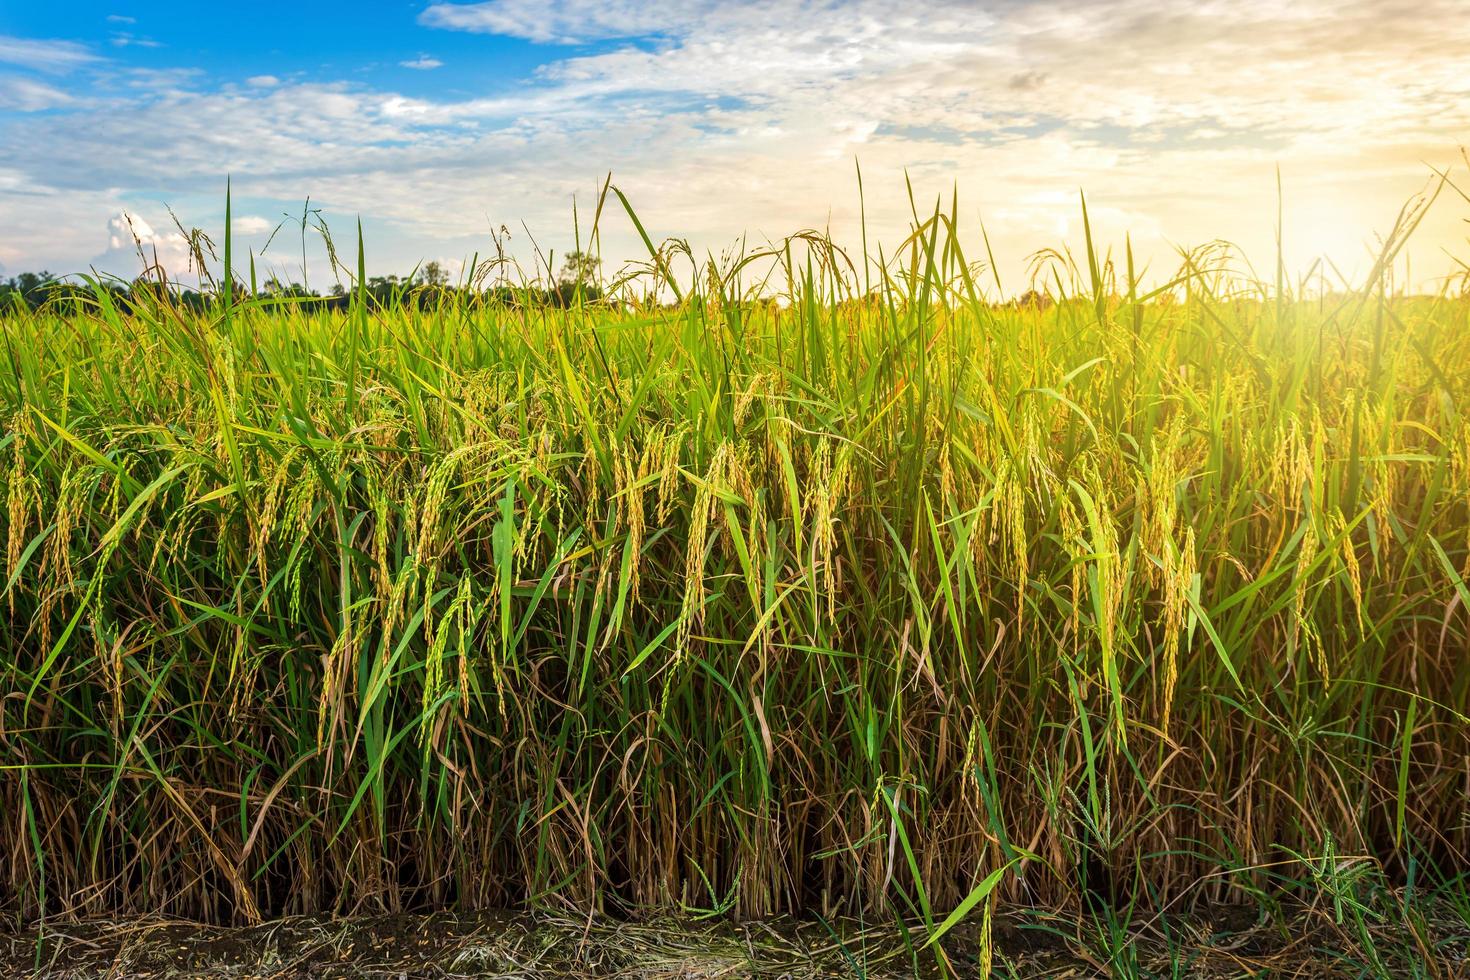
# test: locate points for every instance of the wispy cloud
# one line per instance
(122, 39)
(28, 95)
(562, 23)
(49, 56)
(422, 63)
(121, 19)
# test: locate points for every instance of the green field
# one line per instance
(879, 599)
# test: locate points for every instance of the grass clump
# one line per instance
(884, 599)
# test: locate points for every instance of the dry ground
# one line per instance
(534, 947)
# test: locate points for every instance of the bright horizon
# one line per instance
(438, 123)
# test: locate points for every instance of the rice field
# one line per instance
(801, 582)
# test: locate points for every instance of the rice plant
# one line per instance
(793, 581)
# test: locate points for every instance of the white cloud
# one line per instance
(148, 82)
(132, 238)
(253, 225)
(423, 63)
(562, 23)
(121, 19)
(122, 39)
(48, 56)
(29, 95)
(720, 118)
(127, 230)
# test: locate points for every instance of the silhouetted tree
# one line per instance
(433, 274)
(578, 270)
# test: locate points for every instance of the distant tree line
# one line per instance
(428, 287)
(30, 288)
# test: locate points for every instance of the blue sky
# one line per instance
(443, 125)
(379, 44)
